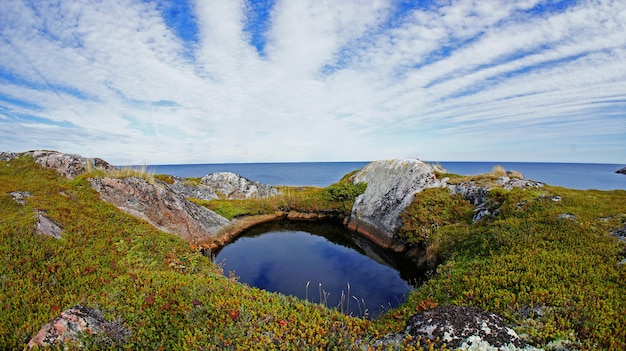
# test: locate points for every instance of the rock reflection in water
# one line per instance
(321, 262)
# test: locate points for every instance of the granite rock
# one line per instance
(391, 187)
(233, 186)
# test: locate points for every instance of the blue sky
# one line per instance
(167, 81)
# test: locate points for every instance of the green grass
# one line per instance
(552, 279)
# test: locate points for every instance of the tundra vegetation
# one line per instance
(557, 280)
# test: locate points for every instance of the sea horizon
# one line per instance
(583, 176)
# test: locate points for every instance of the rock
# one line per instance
(76, 322)
(465, 328)
(161, 207)
(621, 170)
(620, 233)
(477, 194)
(46, 226)
(182, 188)
(391, 187)
(20, 196)
(568, 216)
(8, 156)
(234, 186)
(67, 165)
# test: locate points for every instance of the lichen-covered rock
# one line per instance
(77, 322)
(391, 187)
(233, 186)
(161, 207)
(465, 328)
(183, 188)
(620, 233)
(8, 156)
(67, 165)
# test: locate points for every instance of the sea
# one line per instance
(581, 176)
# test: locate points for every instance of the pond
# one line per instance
(320, 262)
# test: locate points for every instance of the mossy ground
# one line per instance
(552, 278)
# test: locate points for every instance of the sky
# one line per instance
(214, 81)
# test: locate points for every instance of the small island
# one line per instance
(621, 170)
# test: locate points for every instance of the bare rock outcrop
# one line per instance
(183, 188)
(391, 187)
(161, 207)
(77, 322)
(234, 187)
(67, 165)
(621, 170)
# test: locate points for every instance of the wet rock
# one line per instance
(161, 207)
(20, 196)
(233, 186)
(79, 321)
(47, 227)
(391, 187)
(464, 327)
(621, 170)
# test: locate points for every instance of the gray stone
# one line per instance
(68, 329)
(391, 187)
(620, 233)
(161, 207)
(47, 227)
(20, 196)
(621, 170)
(183, 188)
(8, 156)
(568, 216)
(233, 186)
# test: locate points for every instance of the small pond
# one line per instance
(321, 262)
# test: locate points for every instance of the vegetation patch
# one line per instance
(555, 279)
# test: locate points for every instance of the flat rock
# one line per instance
(464, 327)
(233, 186)
(47, 227)
(67, 329)
(391, 187)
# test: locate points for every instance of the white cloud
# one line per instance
(347, 80)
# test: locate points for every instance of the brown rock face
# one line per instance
(161, 207)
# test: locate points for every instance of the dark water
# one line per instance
(321, 262)
(569, 175)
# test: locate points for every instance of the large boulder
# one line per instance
(67, 165)
(77, 322)
(161, 207)
(391, 187)
(233, 186)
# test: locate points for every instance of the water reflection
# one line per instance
(320, 262)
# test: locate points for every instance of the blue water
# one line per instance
(320, 263)
(569, 175)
